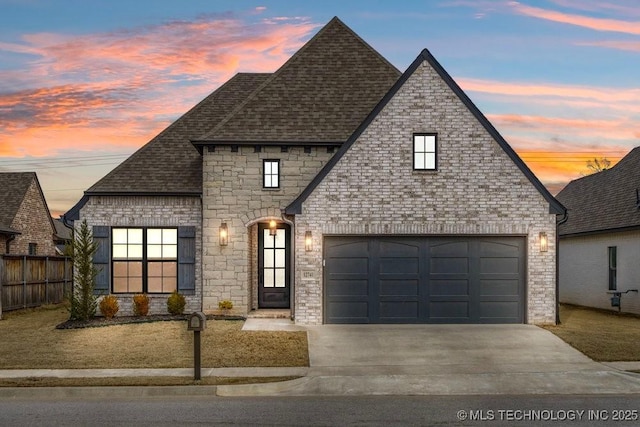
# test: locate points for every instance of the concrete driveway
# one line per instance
(448, 359)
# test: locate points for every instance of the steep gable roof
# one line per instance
(169, 163)
(14, 188)
(321, 94)
(554, 206)
(604, 201)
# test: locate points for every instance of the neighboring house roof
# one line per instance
(554, 205)
(14, 189)
(604, 201)
(62, 231)
(169, 163)
(320, 95)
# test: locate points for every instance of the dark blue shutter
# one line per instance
(102, 258)
(187, 260)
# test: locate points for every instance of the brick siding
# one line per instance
(477, 190)
(149, 211)
(33, 220)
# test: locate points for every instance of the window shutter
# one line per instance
(102, 259)
(187, 260)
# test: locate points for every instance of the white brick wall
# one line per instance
(478, 190)
(584, 270)
(148, 211)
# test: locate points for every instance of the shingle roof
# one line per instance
(14, 188)
(321, 94)
(606, 200)
(169, 163)
(554, 206)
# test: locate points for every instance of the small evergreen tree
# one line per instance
(82, 301)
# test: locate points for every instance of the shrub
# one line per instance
(225, 305)
(176, 303)
(109, 306)
(140, 305)
(82, 301)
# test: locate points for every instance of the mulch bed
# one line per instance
(97, 322)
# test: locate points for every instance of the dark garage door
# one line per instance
(424, 279)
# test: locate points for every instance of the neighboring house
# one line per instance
(26, 227)
(62, 237)
(600, 241)
(338, 188)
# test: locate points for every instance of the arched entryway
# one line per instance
(274, 265)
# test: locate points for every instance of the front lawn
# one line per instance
(603, 336)
(29, 340)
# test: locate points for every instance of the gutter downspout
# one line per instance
(564, 219)
(8, 241)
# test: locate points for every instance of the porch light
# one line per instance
(544, 242)
(308, 241)
(272, 228)
(224, 234)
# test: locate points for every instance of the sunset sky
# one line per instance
(83, 84)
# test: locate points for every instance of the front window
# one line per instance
(145, 260)
(271, 172)
(424, 152)
(33, 248)
(613, 268)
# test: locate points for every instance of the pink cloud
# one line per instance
(628, 45)
(118, 89)
(598, 24)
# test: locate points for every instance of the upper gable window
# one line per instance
(424, 151)
(271, 173)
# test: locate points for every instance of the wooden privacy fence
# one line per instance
(31, 280)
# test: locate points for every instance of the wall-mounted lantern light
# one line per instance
(224, 234)
(272, 228)
(308, 241)
(544, 242)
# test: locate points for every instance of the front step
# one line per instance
(270, 313)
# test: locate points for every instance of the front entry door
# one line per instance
(273, 266)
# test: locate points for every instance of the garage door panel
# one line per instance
(449, 310)
(449, 265)
(346, 247)
(400, 311)
(448, 287)
(499, 287)
(398, 265)
(399, 249)
(500, 310)
(348, 312)
(399, 287)
(499, 265)
(448, 248)
(495, 248)
(349, 266)
(337, 288)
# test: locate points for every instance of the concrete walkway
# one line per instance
(395, 359)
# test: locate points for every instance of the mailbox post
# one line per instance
(197, 322)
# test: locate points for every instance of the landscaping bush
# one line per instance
(225, 305)
(176, 303)
(109, 306)
(140, 305)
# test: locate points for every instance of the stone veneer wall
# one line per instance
(33, 220)
(149, 211)
(233, 193)
(477, 190)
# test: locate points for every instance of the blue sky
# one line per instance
(83, 84)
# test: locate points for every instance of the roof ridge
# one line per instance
(334, 21)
